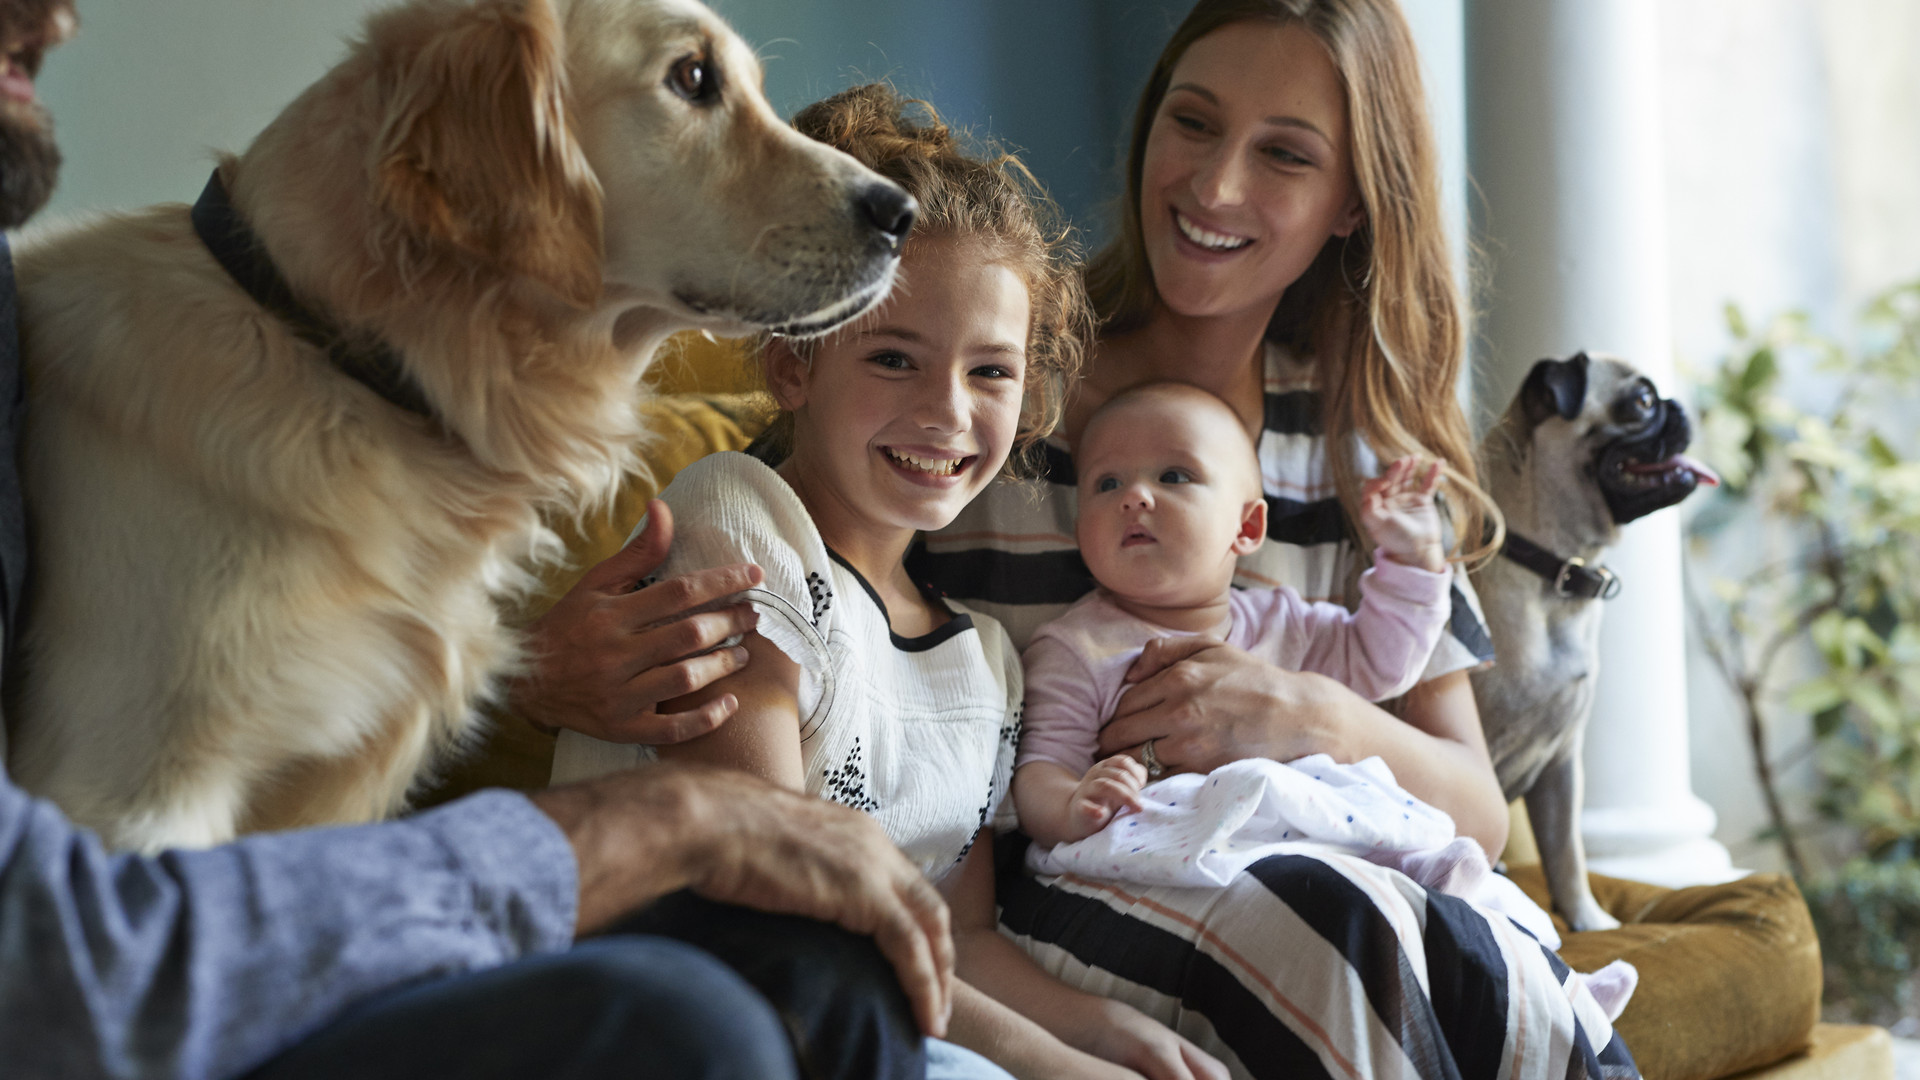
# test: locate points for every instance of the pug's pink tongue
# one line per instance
(1700, 470)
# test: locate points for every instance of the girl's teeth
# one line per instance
(1207, 238)
(936, 466)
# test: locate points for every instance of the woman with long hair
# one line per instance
(1281, 246)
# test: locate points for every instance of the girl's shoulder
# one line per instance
(731, 480)
(731, 508)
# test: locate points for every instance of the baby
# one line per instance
(1170, 498)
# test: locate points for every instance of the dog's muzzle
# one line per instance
(1648, 471)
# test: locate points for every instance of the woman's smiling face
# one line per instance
(1248, 169)
(900, 420)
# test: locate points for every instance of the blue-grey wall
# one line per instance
(152, 88)
(1054, 79)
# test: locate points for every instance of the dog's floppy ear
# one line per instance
(475, 151)
(1555, 388)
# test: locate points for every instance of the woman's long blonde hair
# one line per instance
(1379, 310)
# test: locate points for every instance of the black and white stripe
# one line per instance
(1321, 965)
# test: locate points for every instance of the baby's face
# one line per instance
(1169, 499)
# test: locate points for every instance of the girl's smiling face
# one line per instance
(901, 419)
(1247, 170)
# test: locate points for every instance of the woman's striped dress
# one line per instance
(1304, 966)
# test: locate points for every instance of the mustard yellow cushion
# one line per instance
(696, 364)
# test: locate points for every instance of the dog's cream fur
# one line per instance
(266, 598)
(1543, 469)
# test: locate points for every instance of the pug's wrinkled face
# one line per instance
(1627, 441)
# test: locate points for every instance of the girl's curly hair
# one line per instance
(972, 189)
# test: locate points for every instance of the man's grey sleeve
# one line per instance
(207, 963)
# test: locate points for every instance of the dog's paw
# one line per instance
(1588, 916)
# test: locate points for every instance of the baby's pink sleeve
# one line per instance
(1380, 650)
(1061, 719)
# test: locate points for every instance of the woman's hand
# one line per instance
(609, 653)
(1207, 703)
(1129, 1037)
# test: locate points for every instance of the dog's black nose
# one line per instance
(890, 209)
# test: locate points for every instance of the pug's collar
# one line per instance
(1569, 577)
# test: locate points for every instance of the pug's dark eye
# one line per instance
(1640, 406)
(694, 79)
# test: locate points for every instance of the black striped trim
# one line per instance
(1165, 962)
(1467, 628)
(1467, 979)
(1345, 916)
(1296, 412)
(956, 623)
(1305, 524)
(1616, 1061)
(1003, 577)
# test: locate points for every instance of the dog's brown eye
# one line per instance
(692, 79)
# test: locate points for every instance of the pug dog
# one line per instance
(1587, 446)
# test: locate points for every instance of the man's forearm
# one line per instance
(631, 837)
(205, 964)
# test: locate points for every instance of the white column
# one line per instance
(1564, 137)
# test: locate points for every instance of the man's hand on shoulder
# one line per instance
(735, 839)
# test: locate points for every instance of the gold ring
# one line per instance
(1151, 760)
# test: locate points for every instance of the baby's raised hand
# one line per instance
(1396, 510)
(1112, 785)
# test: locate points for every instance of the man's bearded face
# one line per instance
(29, 160)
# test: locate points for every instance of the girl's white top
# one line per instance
(919, 732)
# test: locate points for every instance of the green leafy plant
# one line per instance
(1821, 510)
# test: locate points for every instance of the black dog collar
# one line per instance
(1570, 577)
(370, 362)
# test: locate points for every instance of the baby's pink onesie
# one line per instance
(1077, 664)
(1076, 669)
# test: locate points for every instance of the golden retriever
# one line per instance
(265, 596)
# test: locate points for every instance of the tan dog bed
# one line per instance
(1729, 974)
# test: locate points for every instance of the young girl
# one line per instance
(861, 686)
